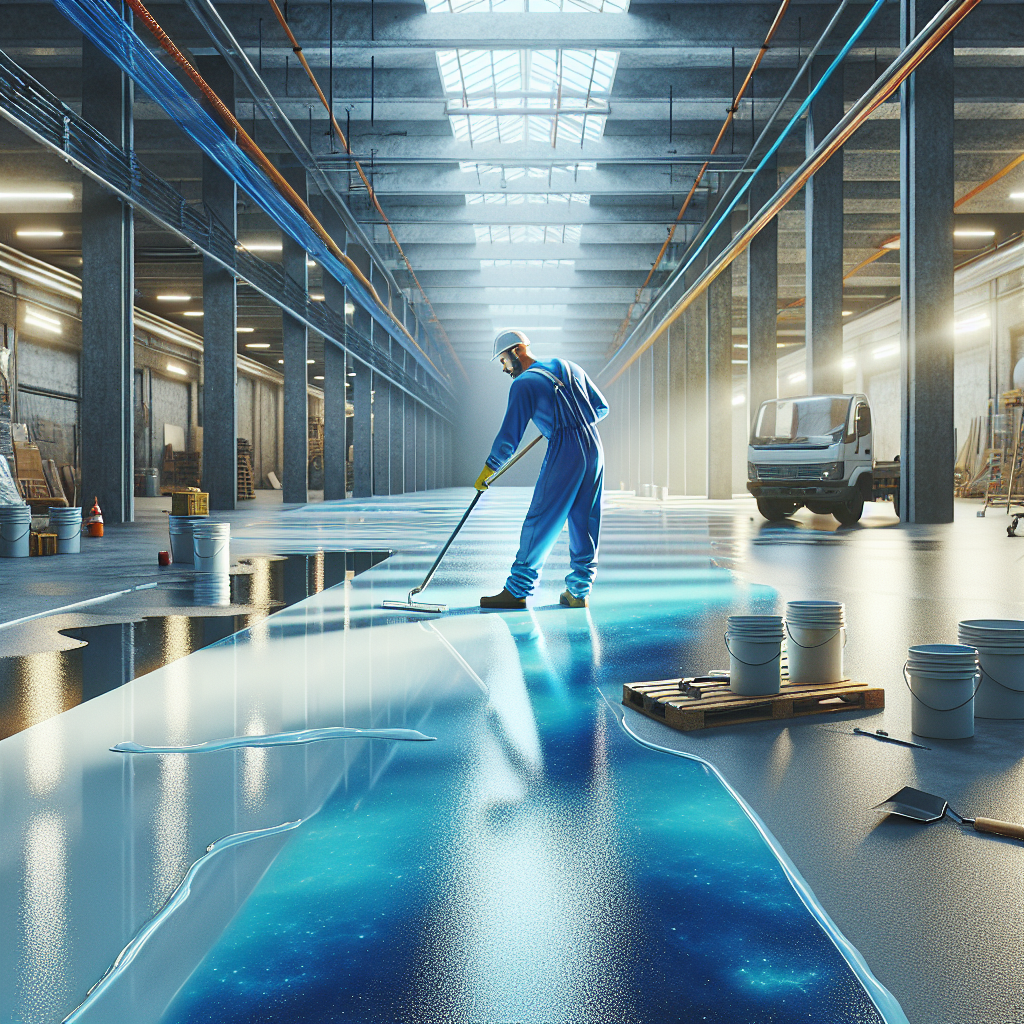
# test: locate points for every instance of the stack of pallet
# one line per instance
(246, 488)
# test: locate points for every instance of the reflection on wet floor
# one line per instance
(35, 687)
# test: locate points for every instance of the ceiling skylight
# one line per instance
(545, 309)
(527, 6)
(527, 233)
(565, 92)
(521, 198)
(547, 264)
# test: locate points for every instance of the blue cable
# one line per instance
(773, 149)
(104, 27)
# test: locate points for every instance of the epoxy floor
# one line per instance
(95, 842)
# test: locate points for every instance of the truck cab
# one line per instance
(816, 451)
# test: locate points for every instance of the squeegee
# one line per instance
(409, 605)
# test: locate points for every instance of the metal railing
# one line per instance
(34, 110)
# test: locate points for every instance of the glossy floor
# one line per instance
(534, 840)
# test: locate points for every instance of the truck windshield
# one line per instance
(819, 419)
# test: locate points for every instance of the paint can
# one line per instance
(211, 546)
(754, 643)
(943, 679)
(67, 524)
(1000, 645)
(212, 589)
(15, 523)
(180, 530)
(815, 638)
(151, 479)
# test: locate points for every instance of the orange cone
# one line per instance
(94, 520)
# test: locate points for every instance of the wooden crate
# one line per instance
(190, 503)
(42, 543)
(703, 703)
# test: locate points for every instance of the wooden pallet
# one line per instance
(703, 703)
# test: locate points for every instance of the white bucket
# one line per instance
(67, 522)
(212, 589)
(15, 524)
(754, 643)
(180, 530)
(943, 679)
(1000, 644)
(211, 546)
(816, 636)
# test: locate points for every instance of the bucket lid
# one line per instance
(814, 606)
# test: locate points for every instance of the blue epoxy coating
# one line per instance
(535, 864)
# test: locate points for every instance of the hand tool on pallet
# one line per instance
(409, 605)
(917, 806)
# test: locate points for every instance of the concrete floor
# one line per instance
(934, 910)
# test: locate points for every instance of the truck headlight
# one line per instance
(833, 471)
(751, 471)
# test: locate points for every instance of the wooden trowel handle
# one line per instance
(999, 828)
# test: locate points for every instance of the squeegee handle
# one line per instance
(999, 828)
(515, 458)
(462, 522)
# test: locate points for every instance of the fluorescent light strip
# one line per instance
(39, 233)
(44, 196)
(258, 344)
(177, 369)
(245, 330)
(174, 298)
(973, 233)
(192, 312)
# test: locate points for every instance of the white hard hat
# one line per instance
(506, 340)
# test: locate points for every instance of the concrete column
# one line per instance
(108, 293)
(719, 379)
(645, 395)
(762, 299)
(422, 481)
(381, 435)
(927, 449)
(823, 218)
(295, 341)
(362, 435)
(335, 369)
(695, 319)
(409, 442)
(633, 481)
(661, 413)
(220, 321)
(675, 345)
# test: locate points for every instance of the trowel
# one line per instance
(918, 806)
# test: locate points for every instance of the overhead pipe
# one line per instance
(909, 59)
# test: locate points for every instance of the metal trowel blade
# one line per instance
(913, 804)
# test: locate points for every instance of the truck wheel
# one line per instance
(775, 509)
(849, 512)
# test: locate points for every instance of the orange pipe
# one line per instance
(624, 326)
(765, 215)
(265, 165)
(297, 50)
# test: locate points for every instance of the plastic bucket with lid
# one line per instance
(816, 635)
(180, 530)
(1000, 645)
(152, 482)
(754, 643)
(211, 546)
(943, 679)
(15, 523)
(67, 523)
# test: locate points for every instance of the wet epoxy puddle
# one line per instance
(35, 687)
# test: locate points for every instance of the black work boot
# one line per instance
(503, 600)
(572, 602)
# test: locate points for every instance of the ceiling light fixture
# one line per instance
(39, 233)
(316, 296)
(245, 330)
(257, 344)
(310, 362)
(260, 246)
(973, 233)
(174, 298)
(349, 309)
(847, 312)
(44, 196)
(177, 369)
(320, 377)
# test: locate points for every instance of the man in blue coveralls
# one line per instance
(564, 404)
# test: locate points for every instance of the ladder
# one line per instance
(1006, 469)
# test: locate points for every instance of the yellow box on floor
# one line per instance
(190, 503)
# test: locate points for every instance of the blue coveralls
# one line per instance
(571, 476)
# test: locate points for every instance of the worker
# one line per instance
(565, 405)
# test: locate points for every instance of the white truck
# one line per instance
(817, 451)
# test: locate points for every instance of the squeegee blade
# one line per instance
(414, 606)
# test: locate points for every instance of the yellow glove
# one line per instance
(481, 481)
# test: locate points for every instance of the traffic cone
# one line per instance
(94, 520)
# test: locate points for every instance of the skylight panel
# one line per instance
(523, 198)
(545, 264)
(527, 6)
(529, 234)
